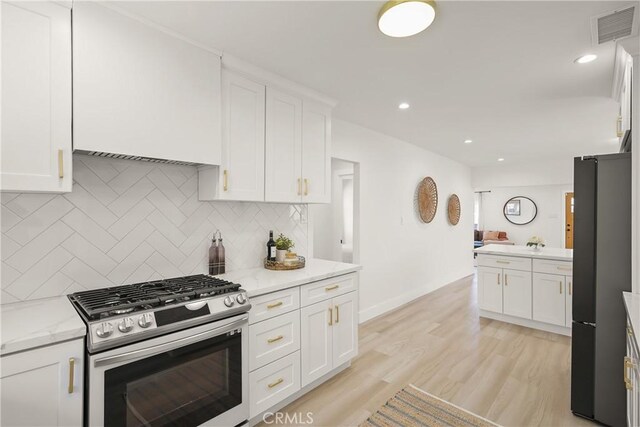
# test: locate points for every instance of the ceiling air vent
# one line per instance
(614, 25)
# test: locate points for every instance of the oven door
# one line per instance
(193, 377)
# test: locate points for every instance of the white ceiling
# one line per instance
(500, 73)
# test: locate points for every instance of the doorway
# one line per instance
(335, 225)
(568, 220)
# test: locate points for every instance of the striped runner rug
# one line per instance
(414, 407)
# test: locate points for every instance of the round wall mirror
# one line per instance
(520, 210)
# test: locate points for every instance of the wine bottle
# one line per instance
(213, 256)
(271, 247)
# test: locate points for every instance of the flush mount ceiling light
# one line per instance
(404, 18)
(468, 141)
(403, 106)
(586, 58)
(501, 159)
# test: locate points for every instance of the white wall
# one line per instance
(402, 257)
(545, 181)
(548, 224)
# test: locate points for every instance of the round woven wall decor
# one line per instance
(453, 209)
(427, 199)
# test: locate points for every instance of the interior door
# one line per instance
(549, 298)
(242, 170)
(36, 97)
(517, 293)
(568, 216)
(316, 153)
(345, 328)
(317, 343)
(490, 288)
(283, 150)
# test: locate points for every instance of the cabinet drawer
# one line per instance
(564, 268)
(273, 383)
(273, 338)
(270, 305)
(328, 288)
(510, 262)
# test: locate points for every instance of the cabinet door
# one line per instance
(317, 343)
(36, 97)
(569, 302)
(316, 153)
(549, 298)
(43, 387)
(490, 289)
(242, 170)
(283, 150)
(345, 328)
(517, 293)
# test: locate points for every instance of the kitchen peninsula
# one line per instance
(529, 288)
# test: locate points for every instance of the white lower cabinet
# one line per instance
(294, 342)
(517, 293)
(490, 288)
(329, 335)
(632, 379)
(274, 382)
(44, 386)
(549, 303)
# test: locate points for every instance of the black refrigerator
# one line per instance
(601, 271)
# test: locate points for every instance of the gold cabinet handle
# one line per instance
(619, 132)
(560, 282)
(274, 305)
(276, 339)
(275, 383)
(306, 187)
(330, 316)
(225, 180)
(337, 314)
(498, 279)
(499, 261)
(72, 366)
(506, 279)
(627, 364)
(563, 268)
(60, 164)
(570, 288)
(629, 331)
(331, 288)
(299, 186)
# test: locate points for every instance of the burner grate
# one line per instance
(99, 303)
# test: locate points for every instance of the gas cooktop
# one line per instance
(124, 314)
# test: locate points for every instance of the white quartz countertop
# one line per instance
(30, 324)
(259, 281)
(632, 305)
(558, 254)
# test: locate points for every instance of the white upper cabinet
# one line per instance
(139, 91)
(36, 97)
(241, 174)
(283, 181)
(316, 153)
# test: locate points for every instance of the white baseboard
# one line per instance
(533, 324)
(398, 301)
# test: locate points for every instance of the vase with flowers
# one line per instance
(536, 243)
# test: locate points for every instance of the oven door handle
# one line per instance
(161, 348)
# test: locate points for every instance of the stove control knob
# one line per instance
(104, 330)
(145, 320)
(229, 301)
(241, 299)
(126, 325)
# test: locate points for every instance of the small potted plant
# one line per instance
(283, 245)
(536, 243)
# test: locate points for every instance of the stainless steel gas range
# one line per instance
(167, 352)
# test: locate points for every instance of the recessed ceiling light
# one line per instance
(403, 18)
(468, 141)
(403, 106)
(586, 58)
(501, 159)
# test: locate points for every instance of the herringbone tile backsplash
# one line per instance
(125, 222)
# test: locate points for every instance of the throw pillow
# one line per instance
(490, 235)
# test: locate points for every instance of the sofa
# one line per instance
(488, 237)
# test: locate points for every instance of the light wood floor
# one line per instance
(509, 374)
